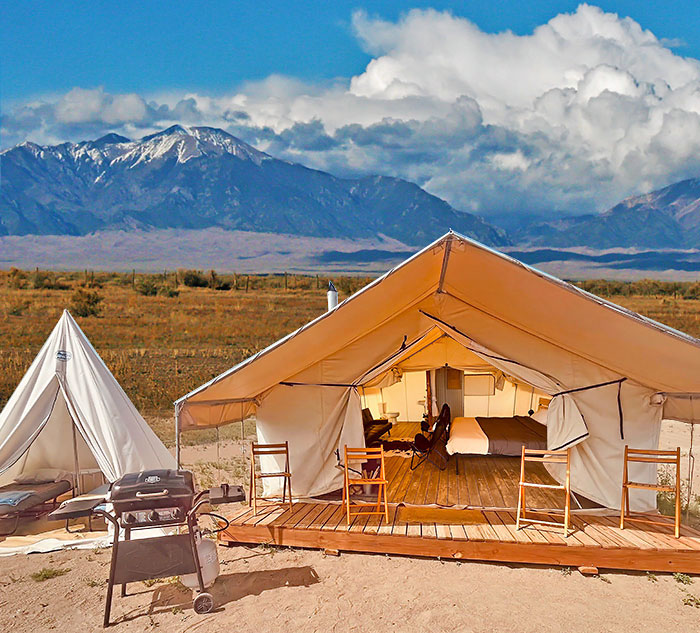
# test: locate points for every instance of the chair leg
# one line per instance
(678, 496)
(622, 508)
(521, 491)
(421, 459)
(386, 505)
(346, 495)
(289, 483)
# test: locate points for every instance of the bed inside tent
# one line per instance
(493, 415)
(441, 371)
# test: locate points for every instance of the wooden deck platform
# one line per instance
(470, 516)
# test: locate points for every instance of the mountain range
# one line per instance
(202, 177)
(668, 218)
(199, 177)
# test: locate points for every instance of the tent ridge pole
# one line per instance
(443, 270)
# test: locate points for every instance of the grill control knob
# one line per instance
(129, 518)
(177, 513)
(153, 516)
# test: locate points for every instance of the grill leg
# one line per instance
(127, 537)
(191, 526)
(112, 567)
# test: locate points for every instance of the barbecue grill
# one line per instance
(152, 499)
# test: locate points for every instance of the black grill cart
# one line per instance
(155, 499)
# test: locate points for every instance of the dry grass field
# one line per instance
(161, 337)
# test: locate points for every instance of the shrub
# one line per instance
(147, 287)
(194, 279)
(46, 573)
(216, 283)
(167, 291)
(86, 303)
(692, 291)
(17, 278)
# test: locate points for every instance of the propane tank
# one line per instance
(208, 559)
(332, 296)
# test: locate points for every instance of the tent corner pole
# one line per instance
(177, 436)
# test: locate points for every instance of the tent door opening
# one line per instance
(449, 387)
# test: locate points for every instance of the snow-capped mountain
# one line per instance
(662, 219)
(202, 177)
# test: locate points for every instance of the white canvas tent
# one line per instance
(612, 374)
(69, 413)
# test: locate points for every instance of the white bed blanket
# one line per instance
(467, 437)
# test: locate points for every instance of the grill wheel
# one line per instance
(203, 603)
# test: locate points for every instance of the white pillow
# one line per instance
(540, 416)
(42, 476)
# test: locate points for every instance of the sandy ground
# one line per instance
(292, 590)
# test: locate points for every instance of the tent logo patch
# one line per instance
(63, 355)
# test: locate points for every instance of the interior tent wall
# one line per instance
(449, 388)
(403, 397)
(50, 449)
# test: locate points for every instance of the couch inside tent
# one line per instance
(611, 375)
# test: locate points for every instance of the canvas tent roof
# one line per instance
(470, 277)
(68, 387)
(529, 325)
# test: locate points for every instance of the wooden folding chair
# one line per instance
(544, 457)
(257, 450)
(363, 455)
(645, 456)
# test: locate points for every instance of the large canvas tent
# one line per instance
(69, 413)
(612, 375)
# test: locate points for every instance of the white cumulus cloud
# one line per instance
(588, 108)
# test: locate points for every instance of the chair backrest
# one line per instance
(561, 456)
(258, 450)
(441, 425)
(365, 455)
(270, 449)
(649, 456)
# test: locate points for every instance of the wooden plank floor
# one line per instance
(490, 535)
(486, 532)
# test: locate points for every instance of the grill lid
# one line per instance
(149, 486)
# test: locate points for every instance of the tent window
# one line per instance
(454, 378)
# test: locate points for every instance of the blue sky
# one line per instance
(154, 46)
(547, 108)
